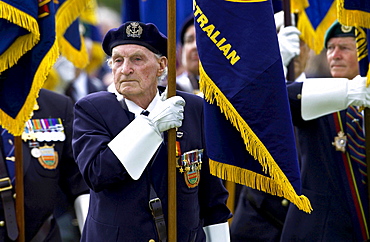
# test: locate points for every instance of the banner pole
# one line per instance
(171, 91)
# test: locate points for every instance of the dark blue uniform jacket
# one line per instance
(119, 208)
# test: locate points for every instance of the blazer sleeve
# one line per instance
(98, 119)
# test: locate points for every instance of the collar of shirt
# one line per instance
(134, 108)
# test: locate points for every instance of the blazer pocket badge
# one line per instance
(48, 157)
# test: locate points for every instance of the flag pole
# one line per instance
(288, 22)
(171, 91)
(19, 188)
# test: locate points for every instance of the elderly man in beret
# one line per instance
(121, 149)
(329, 129)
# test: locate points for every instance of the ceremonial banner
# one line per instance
(155, 11)
(21, 83)
(69, 38)
(249, 133)
(314, 20)
(19, 30)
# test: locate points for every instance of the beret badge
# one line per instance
(134, 30)
(346, 29)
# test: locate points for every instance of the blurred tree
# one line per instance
(113, 4)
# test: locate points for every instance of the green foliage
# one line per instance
(113, 4)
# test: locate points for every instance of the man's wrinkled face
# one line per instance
(135, 70)
(342, 57)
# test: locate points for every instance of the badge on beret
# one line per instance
(346, 29)
(134, 30)
(48, 157)
(190, 163)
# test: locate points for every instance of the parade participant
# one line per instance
(48, 168)
(121, 150)
(332, 176)
(188, 80)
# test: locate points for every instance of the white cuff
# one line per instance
(135, 145)
(322, 96)
(81, 205)
(217, 232)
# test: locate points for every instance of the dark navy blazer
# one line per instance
(41, 185)
(119, 208)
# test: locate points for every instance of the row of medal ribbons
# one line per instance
(190, 161)
(50, 129)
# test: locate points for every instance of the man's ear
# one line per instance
(162, 64)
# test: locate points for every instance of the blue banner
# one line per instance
(249, 133)
(21, 83)
(155, 11)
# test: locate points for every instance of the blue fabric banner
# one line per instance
(21, 83)
(155, 11)
(249, 133)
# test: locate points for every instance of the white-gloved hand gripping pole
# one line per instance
(288, 38)
(81, 206)
(322, 96)
(217, 232)
(136, 144)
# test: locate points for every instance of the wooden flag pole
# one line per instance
(288, 22)
(19, 188)
(171, 91)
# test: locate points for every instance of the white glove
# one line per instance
(288, 38)
(322, 96)
(144, 133)
(217, 232)
(168, 114)
(279, 20)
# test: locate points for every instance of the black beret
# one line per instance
(188, 22)
(338, 30)
(137, 33)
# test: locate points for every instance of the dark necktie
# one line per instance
(356, 140)
(8, 145)
(145, 112)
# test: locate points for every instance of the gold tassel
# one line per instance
(68, 12)
(355, 18)
(278, 184)
(23, 43)
(16, 126)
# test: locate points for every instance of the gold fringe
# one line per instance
(278, 184)
(315, 38)
(16, 126)
(52, 81)
(79, 58)
(23, 43)
(68, 12)
(89, 15)
(352, 17)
